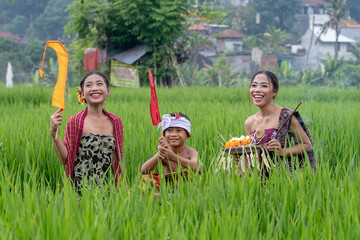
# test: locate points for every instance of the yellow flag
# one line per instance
(59, 90)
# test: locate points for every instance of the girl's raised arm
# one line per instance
(59, 146)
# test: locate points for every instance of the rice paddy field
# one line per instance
(37, 202)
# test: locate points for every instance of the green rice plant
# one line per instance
(37, 201)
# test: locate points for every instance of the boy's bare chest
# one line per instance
(100, 126)
(185, 154)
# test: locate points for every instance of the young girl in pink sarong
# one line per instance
(274, 127)
(93, 139)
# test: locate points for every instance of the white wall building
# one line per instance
(324, 45)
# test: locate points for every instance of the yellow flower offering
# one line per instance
(241, 141)
(81, 100)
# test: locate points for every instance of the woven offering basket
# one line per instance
(240, 150)
(244, 155)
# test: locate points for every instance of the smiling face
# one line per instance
(176, 136)
(261, 90)
(95, 90)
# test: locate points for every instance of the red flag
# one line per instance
(91, 59)
(154, 107)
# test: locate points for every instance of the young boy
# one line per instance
(172, 152)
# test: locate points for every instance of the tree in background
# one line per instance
(287, 74)
(121, 24)
(277, 16)
(20, 9)
(49, 25)
(336, 10)
(30, 19)
(96, 22)
(10, 51)
(25, 61)
(277, 13)
(354, 9)
(330, 68)
(254, 41)
(272, 41)
(220, 74)
(275, 40)
(355, 49)
(28, 8)
(18, 26)
(159, 23)
(35, 51)
(243, 19)
(311, 77)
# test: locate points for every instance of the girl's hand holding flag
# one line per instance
(55, 122)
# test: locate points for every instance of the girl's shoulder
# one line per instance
(116, 117)
(285, 113)
(113, 117)
(285, 109)
(251, 117)
(77, 117)
(250, 120)
(249, 123)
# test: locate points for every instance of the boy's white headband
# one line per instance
(178, 121)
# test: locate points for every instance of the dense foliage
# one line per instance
(34, 19)
(10, 51)
(354, 9)
(25, 61)
(335, 73)
(121, 24)
(277, 13)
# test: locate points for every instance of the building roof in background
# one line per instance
(197, 27)
(349, 24)
(131, 55)
(10, 35)
(330, 36)
(353, 33)
(229, 33)
(314, 3)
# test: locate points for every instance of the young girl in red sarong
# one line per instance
(93, 139)
(272, 126)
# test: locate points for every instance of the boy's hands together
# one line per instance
(164, 149)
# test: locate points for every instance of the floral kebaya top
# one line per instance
(93, 160)
(268, 135)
